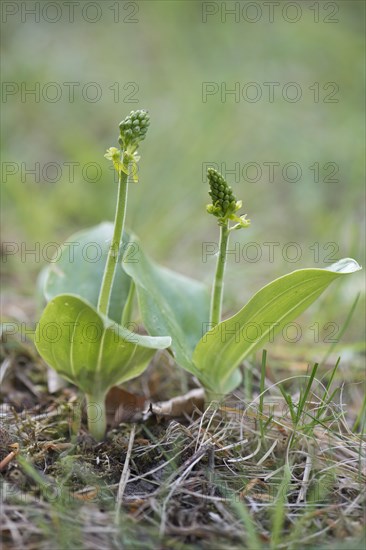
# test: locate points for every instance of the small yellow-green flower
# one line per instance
(123, 162)
(114, 155)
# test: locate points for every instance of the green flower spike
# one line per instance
(224, 204)
(133, 129)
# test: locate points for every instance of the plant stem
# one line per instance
(113, 254)
(128, 309)
(218, 286)
(261, 394)
(96, 413)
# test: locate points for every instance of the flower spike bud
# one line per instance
(223, 199)
(224, 203)
(133, 129)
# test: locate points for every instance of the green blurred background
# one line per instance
(159, 54)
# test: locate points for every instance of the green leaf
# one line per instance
(170, 303)
(90, 350)
(80, 267)
(223, 348)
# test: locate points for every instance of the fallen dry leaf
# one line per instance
(123, 406)
(181, 405)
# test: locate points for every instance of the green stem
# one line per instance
(212, 396)
(96, 413)
(128, 309)
(113, 254)
(218, 286)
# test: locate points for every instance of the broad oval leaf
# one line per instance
(80, 266)
(170, 303)
(90, 350)
(221, 350)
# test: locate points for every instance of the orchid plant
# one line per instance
(83, 332)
